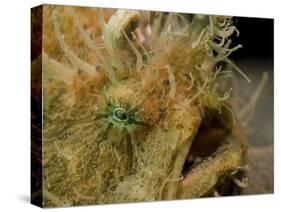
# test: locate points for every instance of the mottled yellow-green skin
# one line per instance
(168, 81)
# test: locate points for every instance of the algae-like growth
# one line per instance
(137, 106)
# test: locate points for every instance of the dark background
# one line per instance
(256, 37)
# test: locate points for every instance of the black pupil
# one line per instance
(121, 114)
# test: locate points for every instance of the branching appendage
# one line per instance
(221, 29)
(92, 44)
(243, 113)
(76, 62)
(123, 21)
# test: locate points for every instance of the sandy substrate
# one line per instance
(261, 170)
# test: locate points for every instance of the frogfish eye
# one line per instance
(120, 114)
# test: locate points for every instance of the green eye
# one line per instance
(120, 114)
